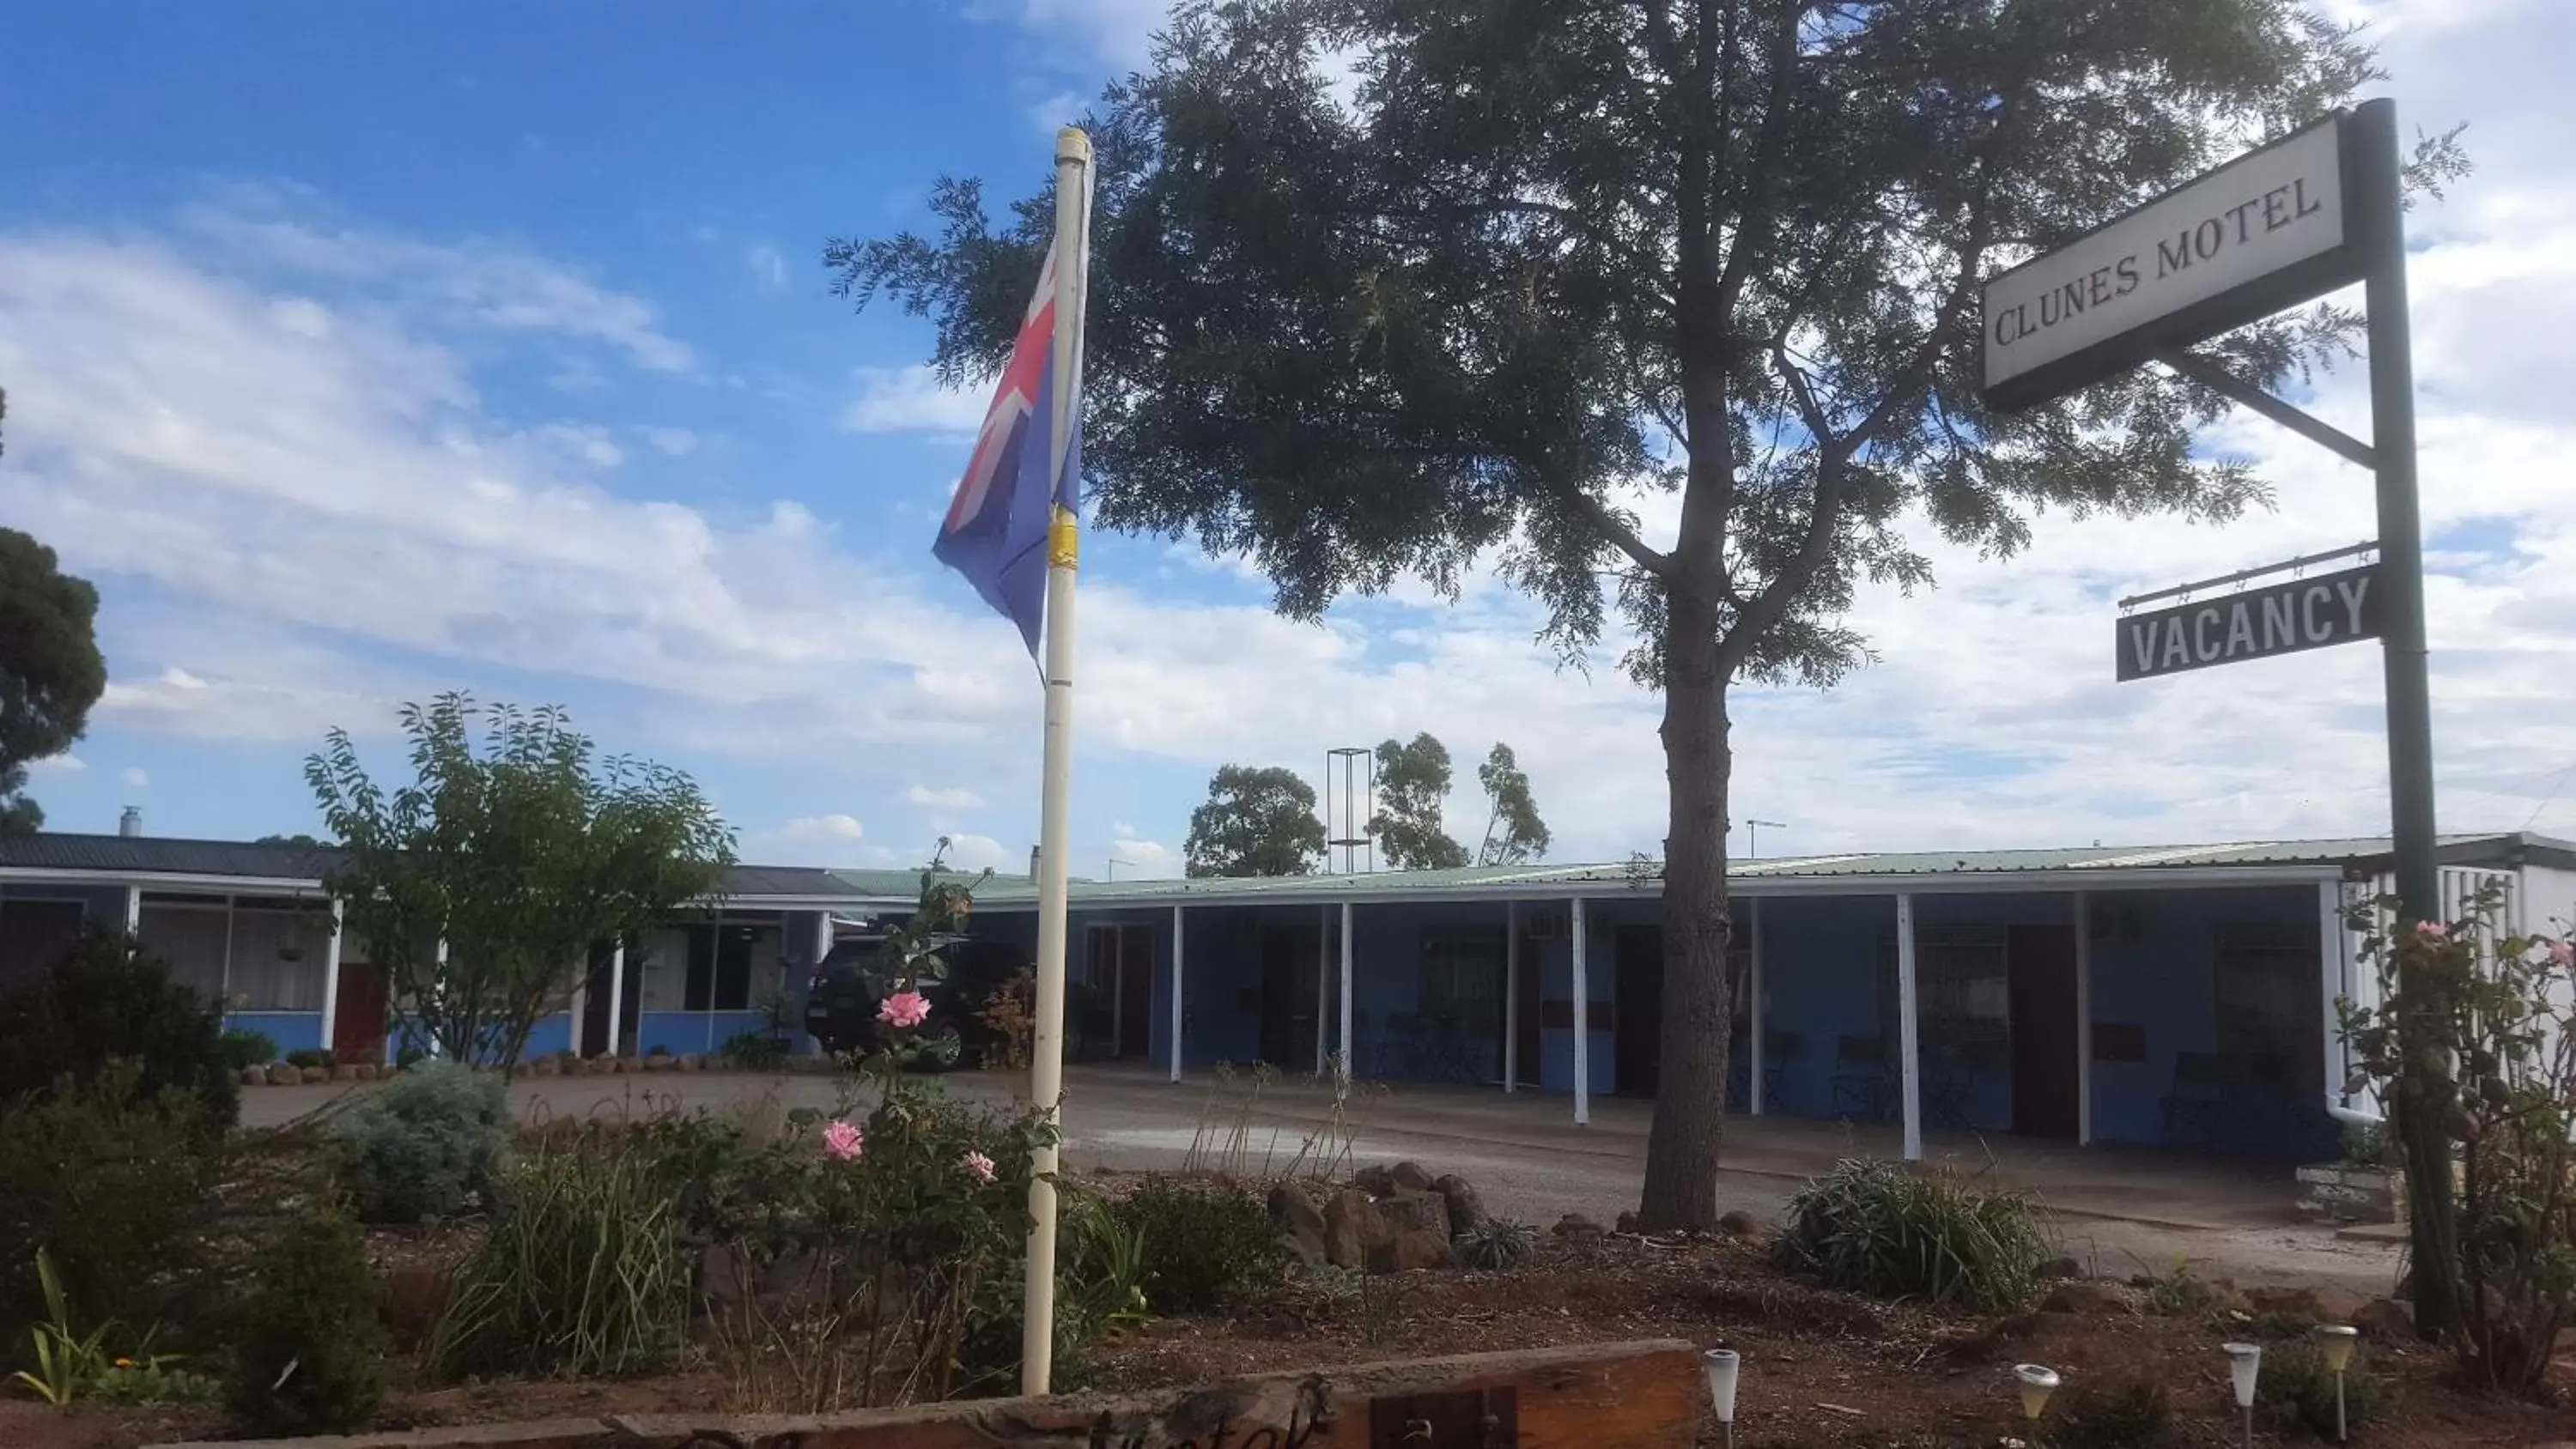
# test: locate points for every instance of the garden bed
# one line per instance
(1821, 1367)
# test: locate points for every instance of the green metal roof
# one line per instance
(2356, 853)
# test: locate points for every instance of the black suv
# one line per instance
(841, 1008)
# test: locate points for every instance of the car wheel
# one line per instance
(949, 1049)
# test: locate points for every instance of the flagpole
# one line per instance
(1046, 1046)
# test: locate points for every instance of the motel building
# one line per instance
(2176, 995)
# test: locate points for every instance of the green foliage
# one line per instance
(2297, 1392)
(1878, 1228)
(1412, 784)
(1207, 1246)
(2476, 1031)
(112, 1182)
(753, 1051)
(154, 1381)
(2181, 1293)
(1495, 1245)
(303, 1057)
(581, 1273)
(519, 857)
(108, 1000)
(309, 1355)
(1257, 821)
(2120, 1411)
(1102, 1267)
(1514, 834)
(50, 668)
(422, 1146)
(67, 1362)
(243, 1048)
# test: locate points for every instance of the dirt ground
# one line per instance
(1821, 1368)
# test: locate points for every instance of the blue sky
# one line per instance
(359, 352)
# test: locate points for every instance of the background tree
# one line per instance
(50, 669)
(1553, 256)
(1412, 785)
(520, 857)
(1255, 822)
(1513, 832)
(299, 840)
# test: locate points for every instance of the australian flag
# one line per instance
(996, 530)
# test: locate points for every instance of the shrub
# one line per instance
(303, 1057)
(2296, 1390)
(2181, 1293)
(107, 1000)
(1877, 1228)
(243, 1048)
(581, 1274)
(753, 1051)
(2120, 1412)
(309, 1354)
(1495, 1245)
(112, 1181)
(422, 1146)
(1206, 1247)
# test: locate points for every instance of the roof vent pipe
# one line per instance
(130, 824)
(1033, 862)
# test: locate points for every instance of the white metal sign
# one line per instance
(2263, 232)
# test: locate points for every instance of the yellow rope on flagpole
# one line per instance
(1064, 539)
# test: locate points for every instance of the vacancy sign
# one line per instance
(2263, 232)
(2283, 618)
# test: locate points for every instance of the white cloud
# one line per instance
(678, 442)
(1118, 33)
(135, 777)
(767, 266)
(947, 799)
(977, 852)
(58, 765)
(835, 827)
(910, 400)
(483, 283)
(1064, 108)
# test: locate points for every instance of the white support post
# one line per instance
(616, 994)
(1342, 1066)
(1753, 1029)
(441, 976)
(2083, 1020)
(331, 981)
(1511, 996)
(227, 979)
(2332, 960)
(1323, 982)
(1582, 1020)
(1180, 938)
(134, 910)
(1909, 1034)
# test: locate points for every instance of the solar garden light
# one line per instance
(1721, 1364)
(2335, 1343)
(2037, 1382)
(2244, 1364)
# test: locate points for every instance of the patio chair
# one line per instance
(1779, 1052)
(2195, 1110)
(1860, 1077)
(1949, 1084)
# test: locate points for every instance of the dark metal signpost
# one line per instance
(2316, 210)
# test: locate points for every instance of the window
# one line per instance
(710, 966)
(1962, 987)
(278, 951)
(190, 935)
(2267, 1004)
(1462, 976)
(36, 934)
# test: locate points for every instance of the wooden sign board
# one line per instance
(2266, 231)
(1643, 1395)
(2284, 618)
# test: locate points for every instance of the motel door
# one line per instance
(1289, 1003)
(2047, 1053)
(1120, 969)
(1638, 1044)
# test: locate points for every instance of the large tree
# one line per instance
(482, 886)
(1257, 821)
(1547, 257)
(50, 669)
(1513, 832)
(1412, 786)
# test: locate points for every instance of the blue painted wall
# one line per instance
(293, 1031)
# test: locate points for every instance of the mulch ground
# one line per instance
(1821, 1368)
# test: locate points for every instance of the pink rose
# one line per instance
(978, 1166)
(904, 1009)
(843, 1142)
(2431, 930)
(2562, 955)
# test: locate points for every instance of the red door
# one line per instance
(358, 1027)
(2047, 1048)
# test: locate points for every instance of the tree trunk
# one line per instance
(1690, 1100)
